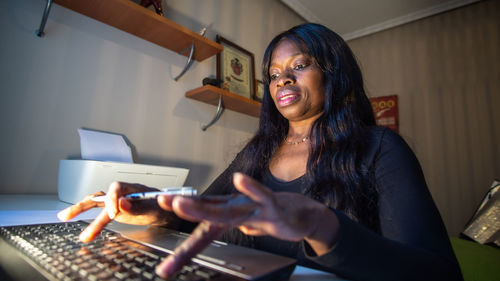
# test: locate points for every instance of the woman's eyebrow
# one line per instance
(288, 58)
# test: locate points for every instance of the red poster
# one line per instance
(386, 111)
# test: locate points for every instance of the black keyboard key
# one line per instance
(189, 276)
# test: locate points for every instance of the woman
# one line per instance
(318, 182)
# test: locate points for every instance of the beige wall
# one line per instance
(86, 74)
(445, 70)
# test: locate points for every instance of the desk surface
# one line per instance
(31, 209)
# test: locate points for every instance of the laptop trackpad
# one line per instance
(245, 262)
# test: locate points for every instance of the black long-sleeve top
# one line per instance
(412, 244)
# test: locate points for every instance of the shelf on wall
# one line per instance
(146, 24)
(210, 94)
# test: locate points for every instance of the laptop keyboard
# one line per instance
(58, 253)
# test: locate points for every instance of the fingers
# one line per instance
(112, 206)
(80, 207)
(251, 231)
(137, 207)
(115, 191)
(112, 199)
(253, 189)
(165, 202)
(89, 233)
(201, 237)
(227, 210)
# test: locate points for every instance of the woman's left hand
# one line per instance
(257, 211)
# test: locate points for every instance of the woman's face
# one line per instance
(296, 83)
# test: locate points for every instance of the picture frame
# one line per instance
(236, 69)
(259, 90)
(385, 109)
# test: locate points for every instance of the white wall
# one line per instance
(83, 73)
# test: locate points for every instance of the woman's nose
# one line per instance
(286, 78)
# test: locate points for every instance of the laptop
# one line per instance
(124, 252)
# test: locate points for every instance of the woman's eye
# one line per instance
(274, 76)
(299, 66)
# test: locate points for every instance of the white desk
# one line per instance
(33, 209)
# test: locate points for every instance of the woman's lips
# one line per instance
(286, 97)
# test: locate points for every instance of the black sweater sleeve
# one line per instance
(413, 244)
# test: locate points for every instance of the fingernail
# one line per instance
(181, 202)
(63, 215)
(239, 177)
(164, 269)
(84, 236)
(125, 204)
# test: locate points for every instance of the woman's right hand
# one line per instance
(116, 207)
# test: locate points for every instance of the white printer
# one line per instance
(106, 158)
(79, 178)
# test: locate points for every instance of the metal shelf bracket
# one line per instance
(189, 61)
(39, 31)
(218, 113)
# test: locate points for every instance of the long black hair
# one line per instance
(334, 175)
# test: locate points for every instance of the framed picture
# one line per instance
(235, 68)
(259, 90)
(386, 111)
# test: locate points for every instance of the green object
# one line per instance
(478, 262)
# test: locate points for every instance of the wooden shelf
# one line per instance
(146, 24)
(210, 94)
